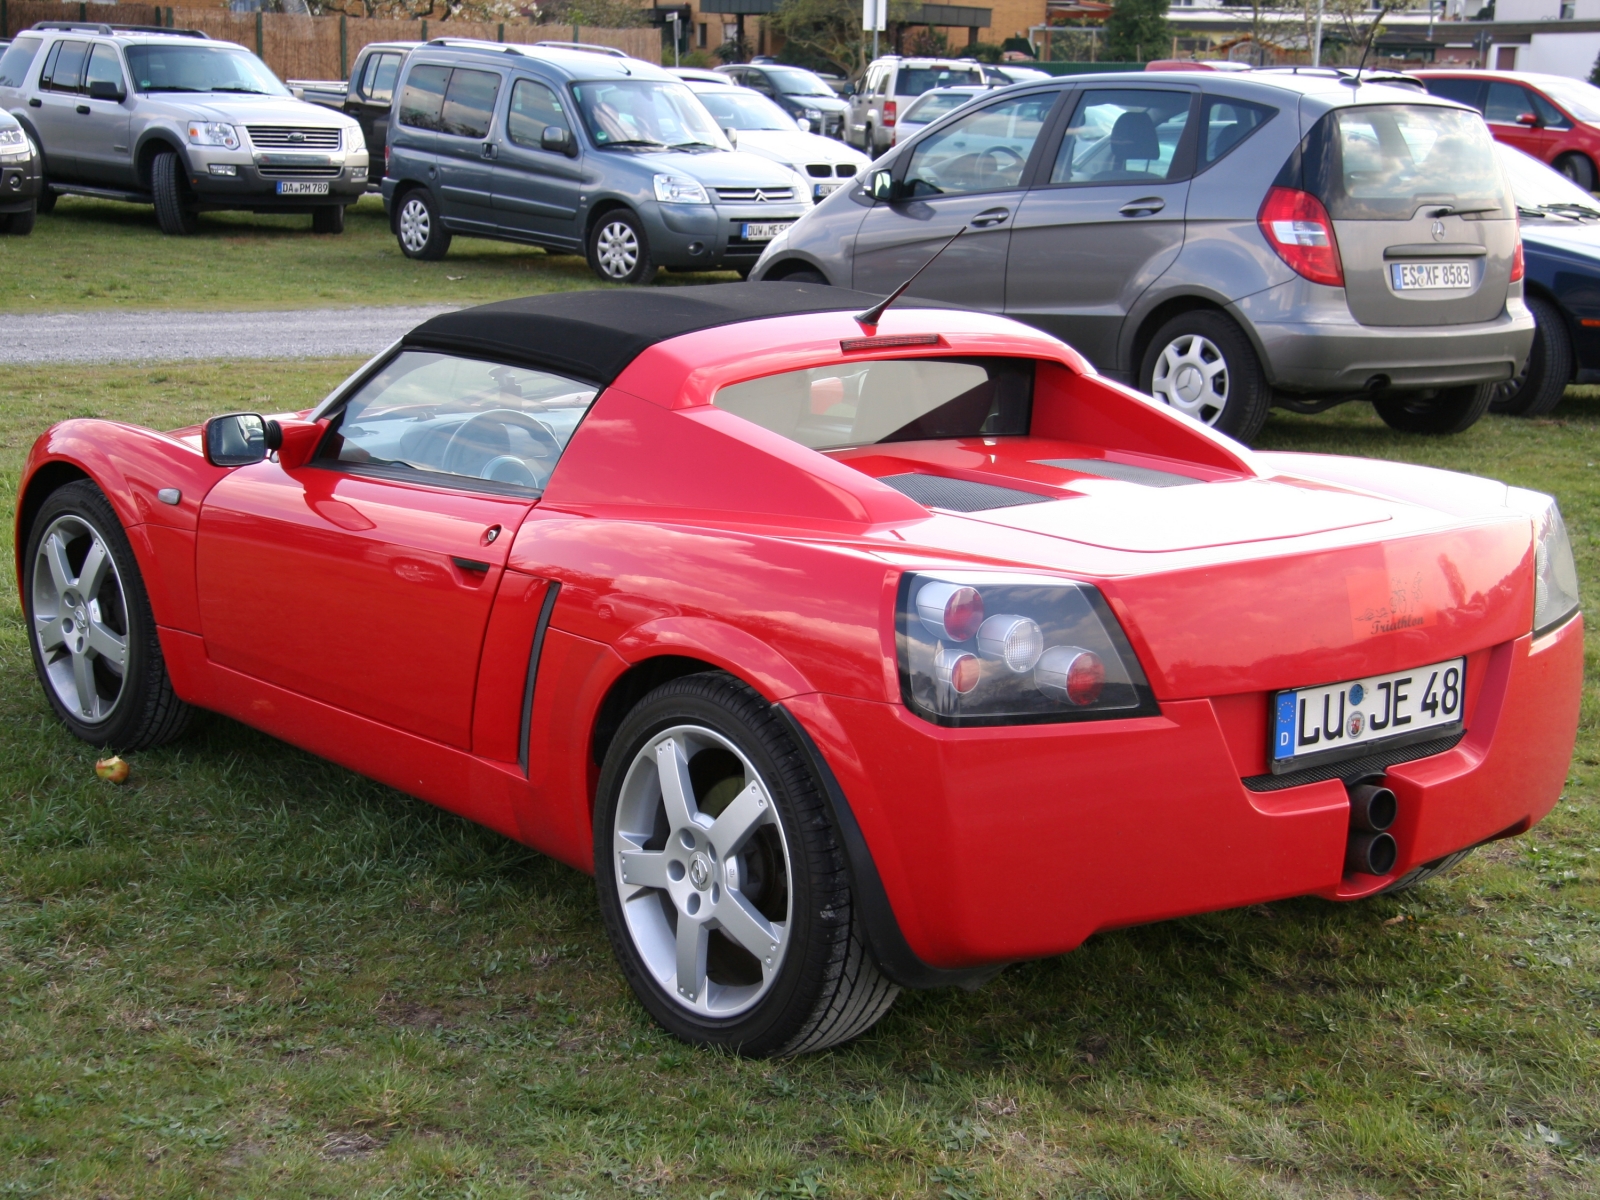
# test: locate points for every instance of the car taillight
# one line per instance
(1297, 226)
(890, 108)
(1052, 651)
(1518, 265)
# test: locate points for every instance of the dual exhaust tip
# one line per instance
(1371, 849)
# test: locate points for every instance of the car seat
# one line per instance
(1132, 137)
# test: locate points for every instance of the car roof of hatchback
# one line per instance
(574, 64)
(1326, 84)
(594, 335)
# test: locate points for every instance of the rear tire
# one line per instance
(86, 611)
(328, 220)
(1449, 410)
(730, 909)
(1548, 370)
(418, 228)
(1577, 168)
(807, 275)
(1201, 364)
(175, 212)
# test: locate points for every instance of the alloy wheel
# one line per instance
(617, 249)
(1192, 376)
(702, 871)
(416, 225)
(80, 618)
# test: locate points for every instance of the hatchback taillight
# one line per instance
(889, 111)
(1297, 226)
(1518, 266)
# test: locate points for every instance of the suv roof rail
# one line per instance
(586, 47)
(106, 30)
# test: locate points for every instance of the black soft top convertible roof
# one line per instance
(594, 335)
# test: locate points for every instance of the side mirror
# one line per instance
(239, 439)
(558, 140)
(732, 135)
(1532, 120)
(881, 186)
(804, 123)
(105, 89)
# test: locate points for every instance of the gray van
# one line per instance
(1222, 242)
(578, 150)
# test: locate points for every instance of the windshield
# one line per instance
(740, 108)
(934, 105)
(913, 81)
(646, 112)
(163, 68)
(1539, 190)
(900, 400)
(1385, 162)
(1581, 100)
(794, 82)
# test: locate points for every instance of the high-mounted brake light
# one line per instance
(1298, 227)
(890, 108)
(848, 345)
(1519, 265)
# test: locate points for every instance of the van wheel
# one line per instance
(174, 211)
(1449, 410)
(329, 219)
(418, 229)
(722, 881)
(1201, 364)
(804, 275)
(1578, 169)
(619, 252)
(1548, 370)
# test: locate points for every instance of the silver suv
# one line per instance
(890, 85)
(1223, 242)
(172, 118)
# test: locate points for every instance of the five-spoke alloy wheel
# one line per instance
(722, 879)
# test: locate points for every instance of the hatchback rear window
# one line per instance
(901, 400)
(1384, 162)
(913, 81)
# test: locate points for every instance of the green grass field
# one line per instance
(248, 973)
(91, 254)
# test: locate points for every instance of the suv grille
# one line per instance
(285, 137)
(754, 195)
(273, 172)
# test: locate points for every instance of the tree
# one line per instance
(829, 31)
(1594, 71)
(1137, 30)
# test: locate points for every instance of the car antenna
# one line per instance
(870, 317)
(1366, 50)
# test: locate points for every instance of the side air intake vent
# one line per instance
(958, 495)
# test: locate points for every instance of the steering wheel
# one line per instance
(460, 445)
(992, 154)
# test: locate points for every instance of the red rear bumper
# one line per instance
(1008, 843)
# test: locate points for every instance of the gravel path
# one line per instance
(96, 337)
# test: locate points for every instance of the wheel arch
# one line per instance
(151, 143)
(47, 478)
(599, 210)
(789, 264)
(1143, 330)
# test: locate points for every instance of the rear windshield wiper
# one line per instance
(1450, 210)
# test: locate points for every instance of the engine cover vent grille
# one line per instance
(959, 495)
(1116, 470)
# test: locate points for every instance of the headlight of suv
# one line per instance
(14, 145)
(812, 114)
(354, 140)
(213, 133)
(988, 649)
(673, 189)
(1555, 573)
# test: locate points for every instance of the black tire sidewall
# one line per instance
(1249, 397)
(167, 188)
(644, 271)
(1549, 365)
(329, 220)
(1450, 411)
(1582, 171)
(20, 224)
(783, 1011)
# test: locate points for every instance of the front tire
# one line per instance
(18, 224)
(619, 252)
(1201, 364)
(174, 211)
(418, 228)
(90, 627)
(721, 879)
(805, 275)
(1548, 370)
(1447, 411)
(1578, 169)
(328, 220)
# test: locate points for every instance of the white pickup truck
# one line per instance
(366, 96)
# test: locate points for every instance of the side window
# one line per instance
(534, 108)
(63, 71)
(1462, 91)
(469, 103)
(461, 417)
(1122, 136)
(758, 81)
(422, 101)
(16, 60)
(1507, 102)
(1548, 113)
(104, 67)
(1225, 123)
(382, 71)
(984, 151)
(881, 88)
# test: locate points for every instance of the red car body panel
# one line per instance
(1542, 142)
(463, 646)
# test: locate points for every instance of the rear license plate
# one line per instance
(762, 231)
(1419, 277)
(1346, 720)
(301, 188)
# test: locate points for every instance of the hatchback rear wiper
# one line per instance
(1450, 210)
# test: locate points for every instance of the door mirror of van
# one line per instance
(106, 89)
(558, 140)
(239, 439)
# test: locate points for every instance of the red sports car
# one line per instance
(848, 656)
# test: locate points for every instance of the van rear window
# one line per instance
(14, 63)
(422, 101)
(1384, 162)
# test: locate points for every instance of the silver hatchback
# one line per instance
(1224, 243)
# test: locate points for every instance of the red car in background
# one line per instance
(1553, 118)
(847, 653)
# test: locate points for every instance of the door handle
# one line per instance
(991, 216)
(1143, 206)
(488, 150)
(83, 109)
(472, 565)
(35, 102)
